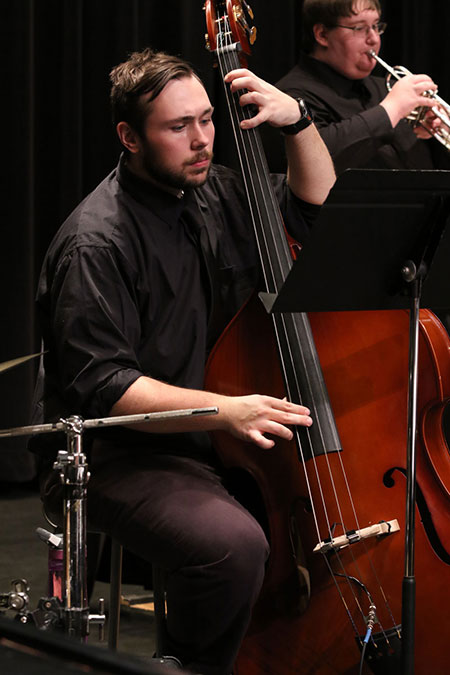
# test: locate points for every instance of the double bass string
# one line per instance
(252, 149)
(226, 64)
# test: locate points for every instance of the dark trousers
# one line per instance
(174, 512)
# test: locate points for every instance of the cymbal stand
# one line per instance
(74, 475)
(73, 470)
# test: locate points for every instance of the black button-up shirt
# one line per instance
(140, 282)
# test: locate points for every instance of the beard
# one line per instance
(180, 179)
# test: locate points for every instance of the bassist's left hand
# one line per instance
(274, 106)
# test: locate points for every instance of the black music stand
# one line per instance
(382, 241)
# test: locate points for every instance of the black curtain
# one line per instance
(58, 141)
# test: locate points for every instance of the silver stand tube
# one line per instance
(74, 475)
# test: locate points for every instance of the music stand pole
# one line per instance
(409, 581)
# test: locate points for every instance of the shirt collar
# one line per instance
(165, 205)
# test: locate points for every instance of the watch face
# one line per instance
(303, 109)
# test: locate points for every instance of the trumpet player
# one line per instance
(362, 123)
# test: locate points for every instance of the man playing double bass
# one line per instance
(135, 289)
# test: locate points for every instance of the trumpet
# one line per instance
(417, 116)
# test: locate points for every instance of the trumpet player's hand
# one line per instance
(407, 94)
(429, 126)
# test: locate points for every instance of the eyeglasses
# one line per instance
(377, 28)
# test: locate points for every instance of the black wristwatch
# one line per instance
(304, 121)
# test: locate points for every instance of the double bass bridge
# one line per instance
(354, 536)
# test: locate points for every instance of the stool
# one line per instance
(159, 602)
(115, 587)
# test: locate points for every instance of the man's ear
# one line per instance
(321, 34)
(128, 137)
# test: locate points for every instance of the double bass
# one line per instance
(332, 501)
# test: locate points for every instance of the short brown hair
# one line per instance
(143, 72)
(328, 13)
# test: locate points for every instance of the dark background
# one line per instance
(58, 142)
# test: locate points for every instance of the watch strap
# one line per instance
(304, 121)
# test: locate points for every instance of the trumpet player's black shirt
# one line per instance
(355, 128)
(141, 282)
